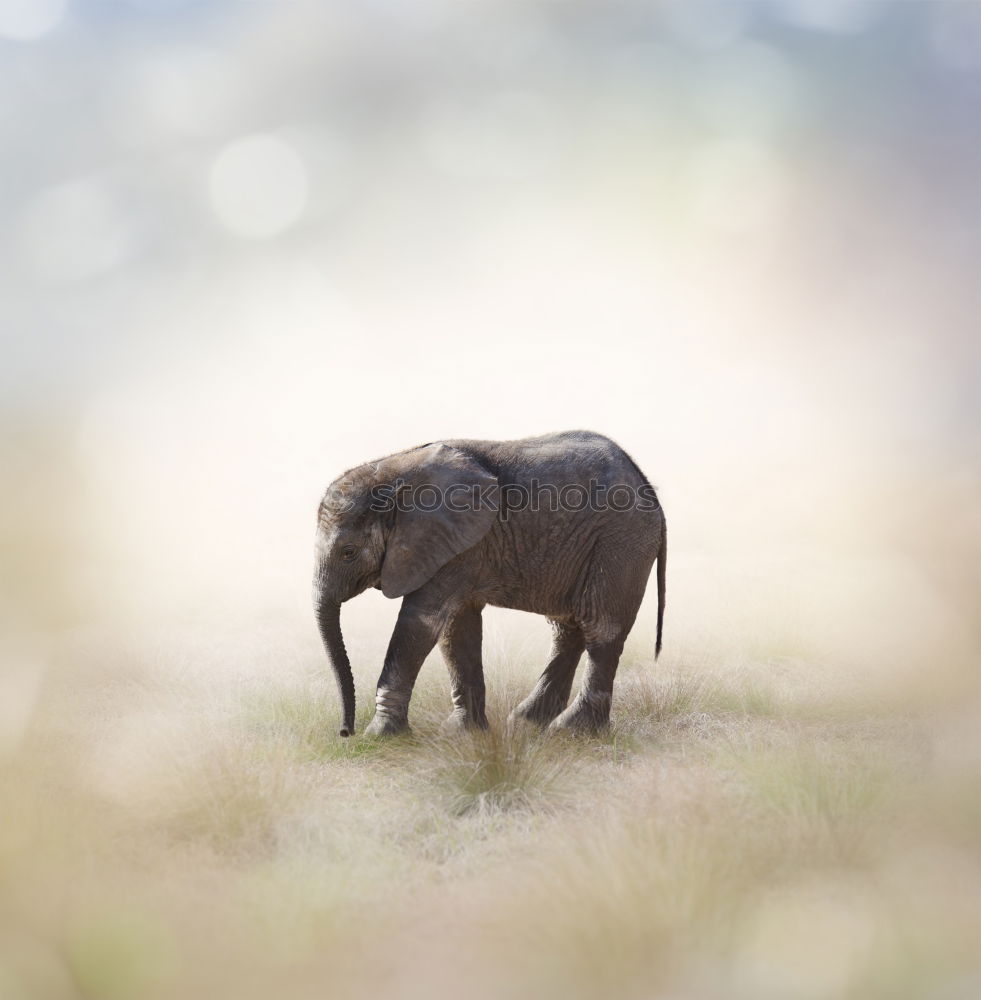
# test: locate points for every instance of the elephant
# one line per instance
(563, 525)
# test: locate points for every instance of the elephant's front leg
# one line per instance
(460, 645)
(415, 634)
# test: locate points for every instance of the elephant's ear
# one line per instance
(445, 503)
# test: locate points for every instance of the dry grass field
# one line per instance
(180, 820)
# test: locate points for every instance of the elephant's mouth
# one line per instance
(367, 582)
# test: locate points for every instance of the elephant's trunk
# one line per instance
(329, 621)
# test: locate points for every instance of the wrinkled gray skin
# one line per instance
(586, 572)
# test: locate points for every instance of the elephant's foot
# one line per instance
(536, 711)
(391, 712)
(459, 721)
(386, 725)
(588, 714)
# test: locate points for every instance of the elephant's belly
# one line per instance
(537, 564)
(536, 601)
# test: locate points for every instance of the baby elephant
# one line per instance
(564, 525)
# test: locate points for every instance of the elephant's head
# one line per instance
(372, 532)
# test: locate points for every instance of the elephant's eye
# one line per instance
(349, 552)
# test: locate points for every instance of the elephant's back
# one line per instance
(560, 458)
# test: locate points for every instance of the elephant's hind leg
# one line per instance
(551, 693)
(590, 712)
(460, 645)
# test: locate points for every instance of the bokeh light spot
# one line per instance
(26, 20)
(187, 89)
(843, 17)
(258, 186)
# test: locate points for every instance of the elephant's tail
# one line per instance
(662, 560)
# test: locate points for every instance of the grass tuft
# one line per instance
(506, 767)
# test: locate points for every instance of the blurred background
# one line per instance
(250, 244)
